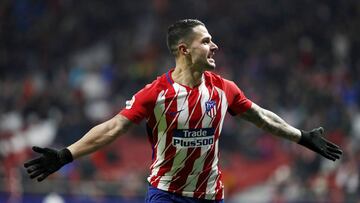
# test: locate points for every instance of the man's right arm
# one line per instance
(100, 136)
(52, 160)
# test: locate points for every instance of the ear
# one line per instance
(182, 48)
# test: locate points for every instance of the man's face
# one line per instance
(202, 49)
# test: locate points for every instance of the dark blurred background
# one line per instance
(68, 65)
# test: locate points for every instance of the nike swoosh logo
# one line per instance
(173, 113)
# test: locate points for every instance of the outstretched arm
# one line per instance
(52, 160)
(100, 136)
(273, 124)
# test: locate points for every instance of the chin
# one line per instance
(210, 66)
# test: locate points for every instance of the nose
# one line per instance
(214, 47)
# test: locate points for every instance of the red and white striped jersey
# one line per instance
(184, 125)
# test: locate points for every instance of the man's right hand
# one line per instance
(50, 161)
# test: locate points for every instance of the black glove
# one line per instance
(50, 161)
(314, 141)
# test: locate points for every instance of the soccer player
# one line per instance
(184, 111)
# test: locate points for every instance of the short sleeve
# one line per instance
(238, 102)
(138, 107)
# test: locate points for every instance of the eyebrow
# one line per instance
(206, 38)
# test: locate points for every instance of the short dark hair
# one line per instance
(180, 30)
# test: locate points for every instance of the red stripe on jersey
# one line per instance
(171, 120)
(204, 177)
(152, 137)
(170, 106)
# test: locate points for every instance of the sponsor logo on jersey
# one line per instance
(186, 138)
(129, 103)
(210, 108)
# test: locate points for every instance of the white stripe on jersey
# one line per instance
(193, 110)
(182, 105)
(183, 113)
(159, 114)
(161, 127)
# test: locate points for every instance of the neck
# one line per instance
(186, 75)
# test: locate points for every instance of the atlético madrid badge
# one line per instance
(210, 108)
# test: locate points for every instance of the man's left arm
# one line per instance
(275, 125)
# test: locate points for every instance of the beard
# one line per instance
(207, 64)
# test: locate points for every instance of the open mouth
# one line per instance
(210, 57)
(211, 60)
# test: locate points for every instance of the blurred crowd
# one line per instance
(67, 65)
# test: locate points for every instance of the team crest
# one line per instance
(210, 108)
